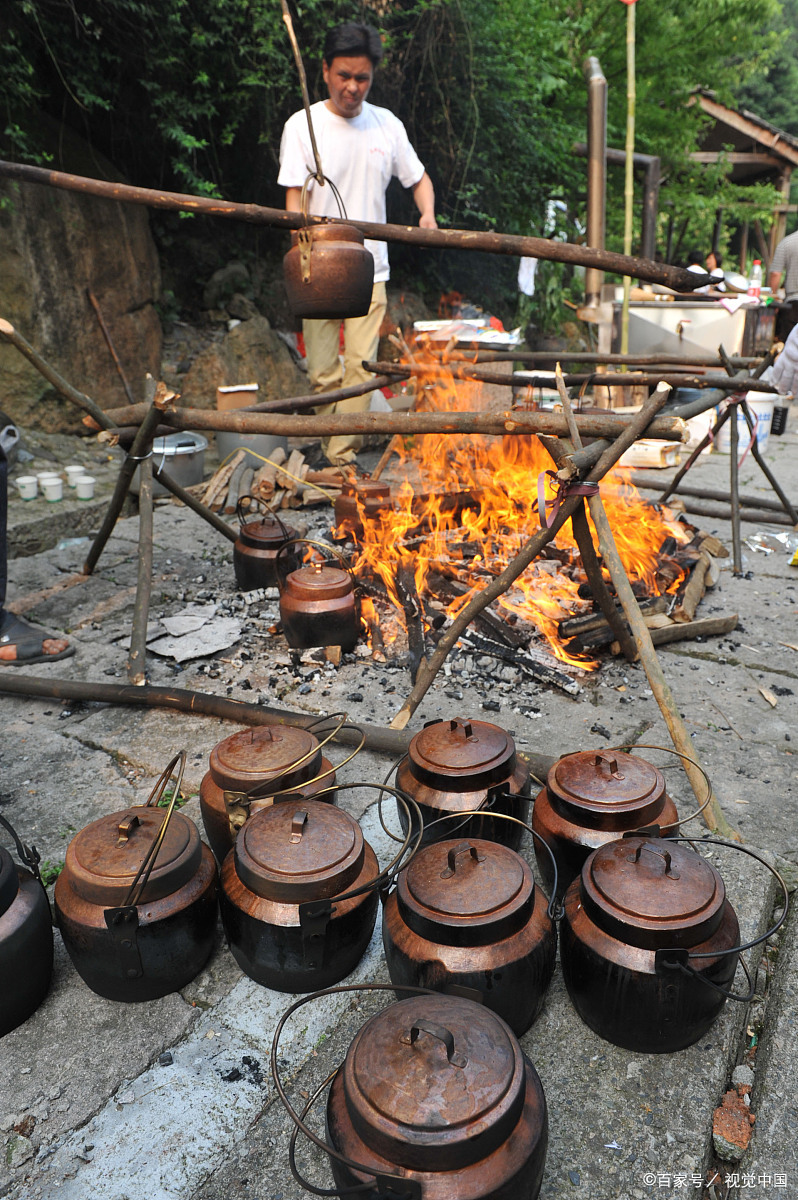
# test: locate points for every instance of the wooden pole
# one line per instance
(713, 814)
(141, 447)
(499, 585)
(629, 175)
(678, 278)
(137, 656)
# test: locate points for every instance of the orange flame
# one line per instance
(466, 506)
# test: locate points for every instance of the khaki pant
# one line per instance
(361, 338)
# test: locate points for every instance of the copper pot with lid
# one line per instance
(436, 1096)
(467, 914)
(591, 798)
(461, 765)
(648, 943)
(136, 900)
(318, 608)
(288, 912)
(26, 935)
(328, 272)
(257, 546)
(359, 498)
(249, 768)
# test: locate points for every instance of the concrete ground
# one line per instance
(173, 1100)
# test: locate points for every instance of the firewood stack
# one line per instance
(282, 481)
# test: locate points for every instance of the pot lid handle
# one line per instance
(661, 852)
(442, 1034)
(611, 762)
(298, 823)
(451, 858)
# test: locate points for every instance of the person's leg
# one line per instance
(322, 339)
(361, 339)
(20, 643)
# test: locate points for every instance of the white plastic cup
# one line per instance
(84, 487)
(74, 472)
(53, 488)
(43, 476)
(28, 486)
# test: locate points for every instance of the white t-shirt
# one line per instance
(360, 155)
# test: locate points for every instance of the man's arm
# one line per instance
(774, 281)
(424, 196)
(293, 199)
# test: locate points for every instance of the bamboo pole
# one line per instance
(137, 656)
(678, 278)
(499, 585)
(713, 814)
(629, 175)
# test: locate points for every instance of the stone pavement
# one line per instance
(173, 1100)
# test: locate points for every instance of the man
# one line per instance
(20, 643)
(361, 148)
(785, 263)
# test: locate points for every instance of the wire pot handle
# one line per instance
(394, 1186)
(678, 959)
(141, 879)
(319, 546)
(28, 855)
(264, 508)
(685, 758)
(262, 791)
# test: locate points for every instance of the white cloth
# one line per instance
(784, 372)
(360, 155)
(527, 269)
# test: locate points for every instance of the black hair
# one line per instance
(717, 256)
(352, 40)
(695, 258)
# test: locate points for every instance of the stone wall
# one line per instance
(54, 245)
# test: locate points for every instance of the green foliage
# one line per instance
(49, 871)
(191, 95)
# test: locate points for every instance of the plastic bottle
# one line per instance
(755, 282)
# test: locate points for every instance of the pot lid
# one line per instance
(268, 752)
(652, 892)
(299, 850)
(324, 232)
(103, 859)
(461, 754)
(9, 880)
(619, 789)
(366, 489)
(435, 1082)
(319, 582)
(174, 444)
(466, 892)
(268, 532)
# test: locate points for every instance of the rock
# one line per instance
(224, 283)
(54, 245)
(242, 307)
(18, 1150)
(743, 1076)
(250, 353)
(731, 1127)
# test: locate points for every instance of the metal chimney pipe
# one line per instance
(596, 173)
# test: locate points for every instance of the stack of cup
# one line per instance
(84, 486)
(28, 486)
(52, 485)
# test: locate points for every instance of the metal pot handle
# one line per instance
(442, 1034)
(455, 852)
(655, 829)
(319, 546)
(145, 870)
(677, 959)
(28, 855)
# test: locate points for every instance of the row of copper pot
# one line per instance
(299, 900)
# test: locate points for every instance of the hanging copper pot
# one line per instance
(647, 932)
(467, 914)
(435, 1096)
(256, 548)
(290, 917)
(136, 901)
(591, 798)
(359, 498)
(328, 272)
(460, 765)
(26, 935)
(318, 608)
(249, 768)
